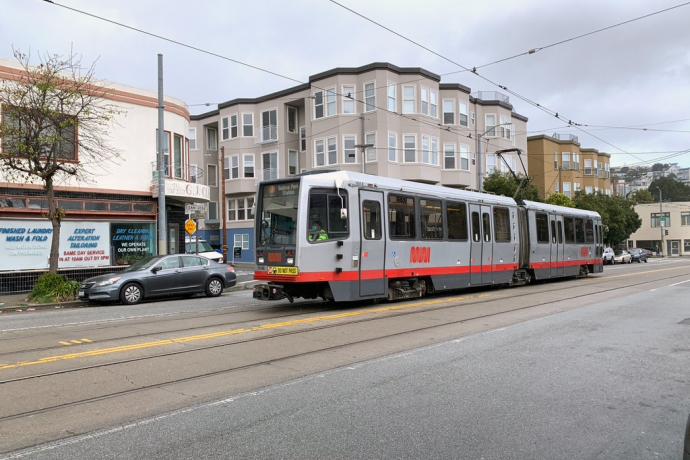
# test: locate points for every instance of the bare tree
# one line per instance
(55, 122)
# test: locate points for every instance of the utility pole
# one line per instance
(223, 216)
(661, 222)
(162, 215)
(363, 146)
(480, 182)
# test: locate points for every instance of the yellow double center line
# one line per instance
(232, 332)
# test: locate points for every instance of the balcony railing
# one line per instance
(491, 96)
(565, 137)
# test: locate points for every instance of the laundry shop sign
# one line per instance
(184, 191)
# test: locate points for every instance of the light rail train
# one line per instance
(347, 236)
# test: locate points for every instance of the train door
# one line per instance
(487, 246)
(560, 247)
(372, 254)
(476, 244)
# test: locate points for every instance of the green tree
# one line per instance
(642, 196)
(560, 199)
(671, 189)
(505, 184)
(617, 214)
(48, 116)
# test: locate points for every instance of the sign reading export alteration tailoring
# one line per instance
(25, 244)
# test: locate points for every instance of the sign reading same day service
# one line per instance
(25, 244)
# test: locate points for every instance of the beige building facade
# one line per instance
(415, 128)
(665, 227)
(559, 164)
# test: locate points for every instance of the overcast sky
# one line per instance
(636, 74)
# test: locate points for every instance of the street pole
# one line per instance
(363, 147)
(661, 223)
(480, 182)
(224, 225)
(162, 217)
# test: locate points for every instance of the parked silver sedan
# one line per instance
(160, 276)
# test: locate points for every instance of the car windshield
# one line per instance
(620, 253)
(143, 264)
(191, 247)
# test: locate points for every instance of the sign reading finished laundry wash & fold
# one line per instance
(25, 244)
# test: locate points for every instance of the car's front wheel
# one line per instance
(214, 287)
(131, 293)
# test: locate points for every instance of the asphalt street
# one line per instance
(607, 380)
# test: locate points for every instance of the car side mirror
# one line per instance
(156, 269)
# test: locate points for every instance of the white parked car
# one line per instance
(608, 256)
(204, 248)
(622, 257)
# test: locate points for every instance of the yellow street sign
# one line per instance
(190, 226)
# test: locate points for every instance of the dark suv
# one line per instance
(638, 255)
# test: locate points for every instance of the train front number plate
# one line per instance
(290, 271)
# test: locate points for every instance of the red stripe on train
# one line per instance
(565, 263)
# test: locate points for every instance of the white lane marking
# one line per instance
(652, 290)
(680, 282)
(112, 320)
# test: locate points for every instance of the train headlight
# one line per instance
(261, 260)
(290, 260)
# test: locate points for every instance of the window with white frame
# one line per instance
(577, 187)
(349, 149)
(589, 189)
(332, 154)
(292, 119)
(433, 104)
(685, 218)
(490, 163)
(269, 165)
(448, 111)
(226, 168)
(225, 132)
(576, 162)
(318, 105)
(426, 149)
(234, 167)
(464, 157)
(588, 166)
(248, 124)
(240, 209)
(490, 125)
(555, 160)
(463, 114)
(565, 160)
(269, 125)
(293, 162)
(212, 139)
(596, 167)
(607, 170)
(348, 99)
(195, 174)
(370, 139)
(392, 97)
(410, 148)
(212, 210)
(566, 189)
(506, 127)
(369, 97)
(319, 152)
(409, 99)
(424, 100)
(392, 147)
(241, 240)
(212, 174)
(330, 102)
(248, 165)
(303, 138)
(233, 126)
(434, 151)
(449, 159)
(557, 188)
(191, 135)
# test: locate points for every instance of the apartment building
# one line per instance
(559, 164)
(114, 204)
(665, 228)
(414, 127)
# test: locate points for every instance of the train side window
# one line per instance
(589, 231)
(560, 232)
(553, 231)
(542, 221)
(475, 227)
(431, 219)
(501, 225)
(579, 231)
(486, 221)
(325, 219)
(371, 212)
(456, 216)
(569, 225)
(401, 217)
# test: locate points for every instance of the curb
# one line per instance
(244, 285)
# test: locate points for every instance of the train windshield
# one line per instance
(278, 211)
